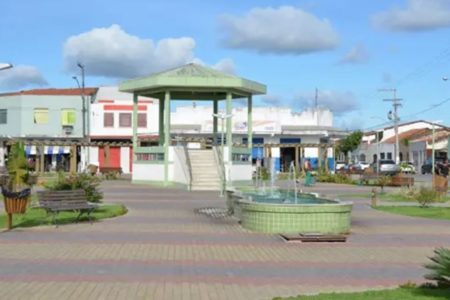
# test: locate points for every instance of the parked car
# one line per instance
(387, 167)
(362, 165)
(340, 164)
(427, 166)
(407, 167)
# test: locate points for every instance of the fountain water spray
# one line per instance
(293, 178)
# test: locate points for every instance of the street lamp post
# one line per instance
(222, 117)
(86, 123)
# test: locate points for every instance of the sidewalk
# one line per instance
(163, 249)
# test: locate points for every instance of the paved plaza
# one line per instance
(164, 249)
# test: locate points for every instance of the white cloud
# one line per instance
(418, 15)
(350, 123)
(226, 65)
(283, 30)
(356, 55)
(338, 102)
(271, 99)
(21, 76)
(112, 52)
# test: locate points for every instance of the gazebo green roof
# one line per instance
(193, 82)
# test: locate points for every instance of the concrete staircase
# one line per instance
(205, 171)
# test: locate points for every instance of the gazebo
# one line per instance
(191, 82)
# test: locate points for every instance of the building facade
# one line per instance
(54, 128)
(51, 122)
(415, 143)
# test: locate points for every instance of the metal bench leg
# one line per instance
(55, 219)
(89, 214)
(79, 216)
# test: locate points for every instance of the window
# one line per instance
(125, 119)
(3, 116)
(389, 155)
(40, 115)
(68, 116)
(142, 120)
(108, 119)
(382, 155)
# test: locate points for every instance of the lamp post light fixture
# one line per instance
(5, 66)
(222, 117)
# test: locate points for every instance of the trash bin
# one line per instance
(93, 169)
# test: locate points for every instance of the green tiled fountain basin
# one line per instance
(330, 218)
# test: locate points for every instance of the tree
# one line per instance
(350, 143)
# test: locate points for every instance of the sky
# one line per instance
(346, 49)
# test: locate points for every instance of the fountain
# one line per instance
(289, 211)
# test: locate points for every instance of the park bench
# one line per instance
(71, 200)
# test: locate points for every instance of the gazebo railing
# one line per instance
(240, 154)
(153, 154)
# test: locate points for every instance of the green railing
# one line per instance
(218, 156)
(240, 154)
(149, 154)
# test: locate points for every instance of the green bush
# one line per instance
(263, 172)
(334, 178)
(111, 175)
(426, 196)
(383, 181)
(83, 181)
(440, 267)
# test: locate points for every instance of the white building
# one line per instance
(414, 143)
(111, 121)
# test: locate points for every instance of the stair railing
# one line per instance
(189, 166)
(218, 156)
(183, 156)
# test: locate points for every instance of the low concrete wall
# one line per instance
(148, 172)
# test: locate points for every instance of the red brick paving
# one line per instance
(162, 249)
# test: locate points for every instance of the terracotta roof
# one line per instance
(439, 135)
(410, 134)
(54, 92)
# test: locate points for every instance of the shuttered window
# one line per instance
(125, 120)
(41, 116)
(3, 116)
(142, 120)
(68, 116)
(108, 120)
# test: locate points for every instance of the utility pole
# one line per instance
(316, 99)
(394, 118)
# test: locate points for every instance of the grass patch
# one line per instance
(438, 213)
(393, 197)
(395, 294)
(38, 216)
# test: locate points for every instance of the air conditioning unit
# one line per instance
(68, 129)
